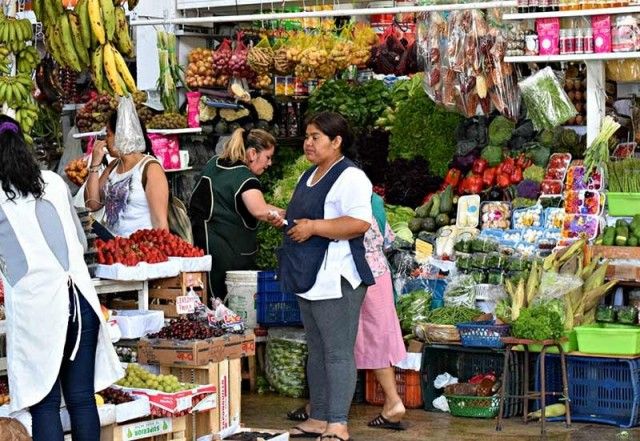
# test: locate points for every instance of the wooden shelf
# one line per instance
(577, 13)
(573, 57)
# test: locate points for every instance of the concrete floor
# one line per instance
(269, 411)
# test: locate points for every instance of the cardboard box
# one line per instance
(235, 391)
(158, 429)
(138, 408)
(166, 404)
(164, 292)
(196, 352)
(223, 395)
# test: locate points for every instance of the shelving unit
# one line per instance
(104, 287)
(577, 13)
(573, 57)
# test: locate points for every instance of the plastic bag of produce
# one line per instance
(286, 361)
(386, 56)
(432, 30)
(260, 57)
(129, 137)
(221, 57)
(460, 291)
(547, 104)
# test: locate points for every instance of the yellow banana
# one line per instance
(81, 49)
(123, 39)
(67, 39)
(108, 18)
(95, 19)
(85, 25)
(97, 69)
(123, 70)
(111, 70)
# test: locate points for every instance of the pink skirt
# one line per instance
(379, 343)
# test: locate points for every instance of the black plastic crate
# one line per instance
(464, 363)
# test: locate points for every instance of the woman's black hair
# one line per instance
(19, 171)
(333, 124)
(113, 122)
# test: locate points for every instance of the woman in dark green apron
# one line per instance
(227, 203)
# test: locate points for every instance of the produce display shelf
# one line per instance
(104, 286)
(175, 131)
(573, 57)
(577, 13)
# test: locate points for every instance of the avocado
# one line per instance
(632, 242)
(621, 223)
(429, 224)
(415, 225)
(424, 209)
(442, 220)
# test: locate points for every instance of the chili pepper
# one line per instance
(479, 166)
(489, 177)
(516, 176)
(503, 180)
(453, 177)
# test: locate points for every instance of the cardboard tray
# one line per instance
(193, 264)
(141, 272)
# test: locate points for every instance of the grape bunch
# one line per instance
(138, 378)
(112, 395)
(186, 329)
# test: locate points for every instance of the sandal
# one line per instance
(303, 433)
(381, 422)
(300, 414)
(334, 436)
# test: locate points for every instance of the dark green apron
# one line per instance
(231, 241)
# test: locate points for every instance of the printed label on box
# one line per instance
(183, 403)
(185, 304)
(147, 429)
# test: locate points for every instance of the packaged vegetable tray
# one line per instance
(527, 217)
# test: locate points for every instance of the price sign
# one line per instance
(186, 304)
(424, 250)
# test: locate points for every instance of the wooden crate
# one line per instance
(163, 292)
(124, 432)
(226, 376)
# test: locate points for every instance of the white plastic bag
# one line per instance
(129, 137)
(444, 380)
(441, 403)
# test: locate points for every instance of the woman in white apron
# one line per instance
(56, 335)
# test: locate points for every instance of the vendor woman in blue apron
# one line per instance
(227, 203)
(322, 260)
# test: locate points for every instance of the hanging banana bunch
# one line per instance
(94, 35)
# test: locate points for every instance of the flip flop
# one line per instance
(300, 414)
(303, 433)
(381, 422)
(333, 436)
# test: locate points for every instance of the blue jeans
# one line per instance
(76, 379)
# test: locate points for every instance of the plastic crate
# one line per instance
(609, 339)
(407, 383)
(483, 334)
(623, 204)
(602, 390)
(464, 363)
(473, 407)
(275, 308)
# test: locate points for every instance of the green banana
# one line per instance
(85, 24)
(108, 18)
(53, 10)
(67, 39)
(97, 69)
(123, 39)
(76, 32)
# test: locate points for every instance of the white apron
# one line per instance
(37, 305)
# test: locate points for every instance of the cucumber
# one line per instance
(446, 200)
(435, 207)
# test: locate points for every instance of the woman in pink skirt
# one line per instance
(379, 344)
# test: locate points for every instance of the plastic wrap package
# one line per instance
(413, 307)
(501, 80)
(624, 71)
(460, 291)
(286, 361)
(464, 64)
(555, 285)
(129, 137)
(548, 106)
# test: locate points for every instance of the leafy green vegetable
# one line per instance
(500, 131)
(493, 155)
(413, 308)
(538, 322)
(360, 104)
(547, 104)
(421, 129)
(398, 213)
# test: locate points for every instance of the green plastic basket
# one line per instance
(623, 204)
(609, 339)
(473, 407)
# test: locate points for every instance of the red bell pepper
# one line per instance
(508, 165)
(474, 184)
(476, 379)
(453, 177)
(503, 180)
(516, 176)
(489, 177)
(479, 166)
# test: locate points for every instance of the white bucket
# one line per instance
(242, 287)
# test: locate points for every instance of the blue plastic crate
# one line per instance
(602, 390)
(436, 286)
(483, 334)
(268, 281)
